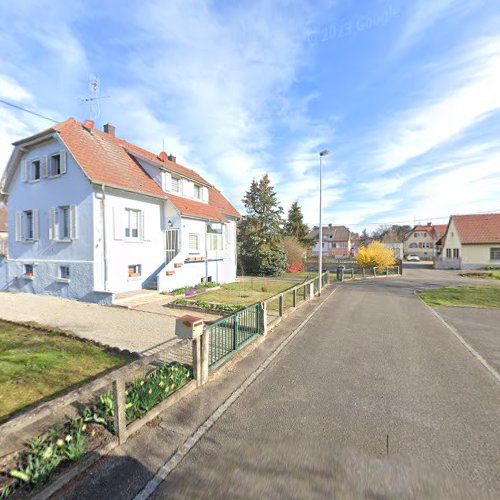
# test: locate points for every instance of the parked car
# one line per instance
(413, 257)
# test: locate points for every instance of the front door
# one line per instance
(171, 244)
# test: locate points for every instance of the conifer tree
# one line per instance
(295, 226)
(260, 233)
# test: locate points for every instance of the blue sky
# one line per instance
(406, 95)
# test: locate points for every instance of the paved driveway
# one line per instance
(373, 365)
(135, 330)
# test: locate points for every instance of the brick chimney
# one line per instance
(88, 124)
(429, 224)
(163, 156)
(109, 129)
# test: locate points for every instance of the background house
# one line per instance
(421, 240)
(91, 216)
(470, 242)
(3, 230)
(336, 241)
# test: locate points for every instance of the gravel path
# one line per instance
(134, 330)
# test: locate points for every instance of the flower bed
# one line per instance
(189, 291)
(207, 306)
(67, 443)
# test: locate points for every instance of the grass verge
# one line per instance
(35, 365)
(487, 275)
(463, 296)
(245, 293)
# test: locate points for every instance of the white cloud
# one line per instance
(465, 96)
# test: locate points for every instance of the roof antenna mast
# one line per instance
(94, 95)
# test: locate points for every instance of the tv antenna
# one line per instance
(93, 98)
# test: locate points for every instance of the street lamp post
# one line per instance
(325, 152)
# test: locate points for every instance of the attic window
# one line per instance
(35, 171)
(176, 184)
(57, 164)
(197, 191)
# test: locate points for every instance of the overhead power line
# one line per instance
(12, 105)
(411, 222)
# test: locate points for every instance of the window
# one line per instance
(134, 271)
(28, 225)
(28, 270)
(26, 228)
(132, 223)
(448, 253)
(64, 272)
(176, 184)
(456, 253)
(62, 223)
(35, 171)
(214, 236)
(57, 164)
(413, 245)
(494, 253)
(198, 192)
(194, 242)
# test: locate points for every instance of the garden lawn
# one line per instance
(463, 296)
(244, 293)
(35, 365)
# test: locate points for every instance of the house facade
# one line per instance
(4, 234)
(337, 241)
(470, 242)
(421, 240)
(91, 215)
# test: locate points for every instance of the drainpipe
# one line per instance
(104, 246)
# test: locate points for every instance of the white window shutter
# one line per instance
(142, 228)
(204, 193)
(43, 167)
(36, 225)
(118, 227)
(63, 161)
(52, 223)
(19, 226)
(73, 222)
(24, 170)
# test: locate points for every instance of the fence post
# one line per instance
(374, 272)
(305, 293)
(280, 304)
(120, 420)
(311, 290)
(263, 318)
(205, 346)
(294, 297)
(387, 270)
(197, 368)
(235, 333)
(364, 272)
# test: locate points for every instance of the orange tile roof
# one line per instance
(107, 159)
(196, 208)
(477, 228)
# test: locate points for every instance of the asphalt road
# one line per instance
(373, 399)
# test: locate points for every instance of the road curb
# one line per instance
(455, 332)
(191, 441)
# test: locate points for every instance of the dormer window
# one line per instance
(198, 192)
(176, 184)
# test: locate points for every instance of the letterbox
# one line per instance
(188, 327)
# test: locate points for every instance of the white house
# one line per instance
(91, 215)
(470, 242)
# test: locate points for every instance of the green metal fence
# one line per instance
(229, 334)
